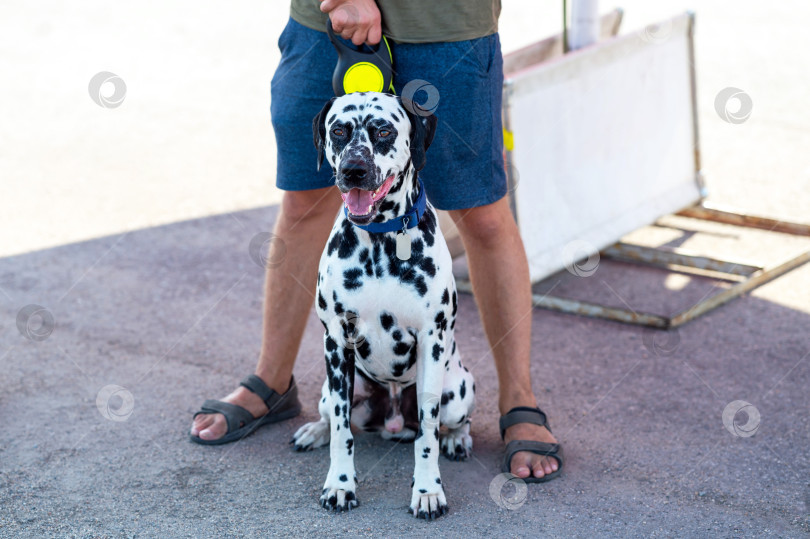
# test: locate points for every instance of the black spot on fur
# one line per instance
(401, 348)
(343, 477)
(397, 335)
(463, 389)
(331, 345)
(426, 265)
(348, 242)
(441, 322)
(445, 297)
(364, 349)
(437, 352)
(398, 369)
(427, 226)
(421, 286)
(387, 321)
(349, 108)
(351, 278)
(321, 301)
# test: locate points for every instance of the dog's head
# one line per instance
(374, 145)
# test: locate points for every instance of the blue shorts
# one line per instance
(465, 165)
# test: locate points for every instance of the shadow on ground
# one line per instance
(173, 314)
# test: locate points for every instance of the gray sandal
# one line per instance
(241, 422)
(526, 414)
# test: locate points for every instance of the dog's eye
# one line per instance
(338, 132)
(383, 133)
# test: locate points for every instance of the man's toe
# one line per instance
(539, 471)
(202, 421)
(521, 465)
(215, 429)
(521, 471)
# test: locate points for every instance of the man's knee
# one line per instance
(486, 225)
(297, 206)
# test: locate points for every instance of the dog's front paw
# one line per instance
(311, 435)
(336, 499)
(456, 444)
(428, 505)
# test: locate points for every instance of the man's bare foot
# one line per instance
(213, 426)
(526, 463)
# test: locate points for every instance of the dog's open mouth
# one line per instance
(362, 205)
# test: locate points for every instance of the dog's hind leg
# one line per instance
(315, 434)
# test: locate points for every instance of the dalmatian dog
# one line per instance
(388, 302)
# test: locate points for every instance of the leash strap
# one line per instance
(409, 220)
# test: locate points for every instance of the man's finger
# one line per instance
(360, 35)
(328, 5)
(339, 20)
(374, 34)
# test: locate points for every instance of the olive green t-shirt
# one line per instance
(418, 21)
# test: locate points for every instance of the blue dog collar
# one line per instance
(409, 220)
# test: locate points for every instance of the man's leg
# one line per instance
(303, 226)
(500, 277)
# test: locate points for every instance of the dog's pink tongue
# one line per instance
(358, 201)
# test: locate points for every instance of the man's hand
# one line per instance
(358, 20)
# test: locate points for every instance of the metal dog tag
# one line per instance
(403, 246)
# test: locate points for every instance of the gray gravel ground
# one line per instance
(171, 313)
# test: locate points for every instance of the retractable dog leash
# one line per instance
(367, 69)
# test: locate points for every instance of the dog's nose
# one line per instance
(354, 171)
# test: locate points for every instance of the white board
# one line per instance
(605, 141)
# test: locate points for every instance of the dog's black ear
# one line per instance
(423, 127)
(319, 130)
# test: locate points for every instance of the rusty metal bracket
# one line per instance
(745, 275)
